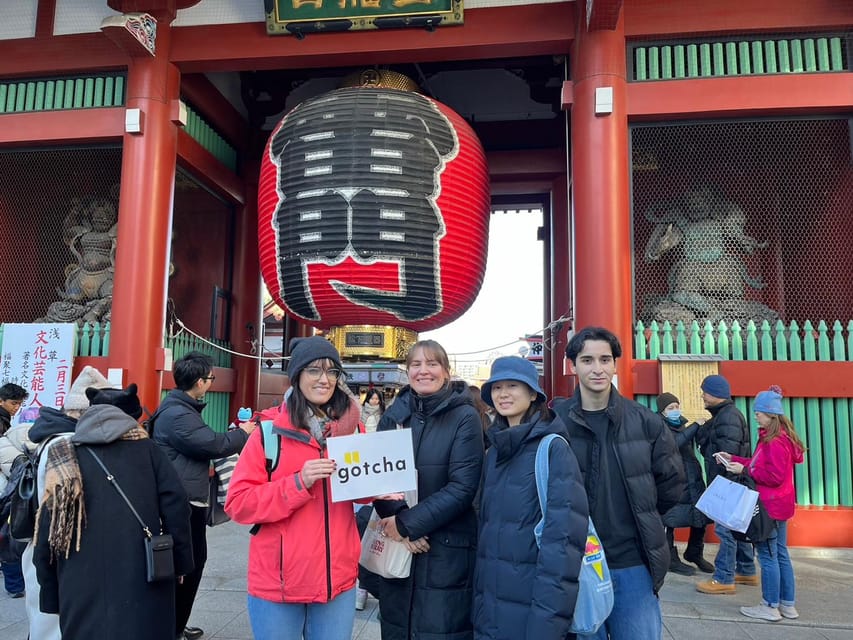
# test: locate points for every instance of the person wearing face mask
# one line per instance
(685, 514)
(441, 529)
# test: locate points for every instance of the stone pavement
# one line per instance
(824, 600)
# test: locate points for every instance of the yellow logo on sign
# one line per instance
(352, 457)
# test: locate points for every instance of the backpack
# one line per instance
(595, 589)
(18, 503)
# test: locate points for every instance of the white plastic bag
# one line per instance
(382, 555)
(728, 503)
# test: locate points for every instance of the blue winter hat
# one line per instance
(769, 401)
(512, 368)
(717, 386)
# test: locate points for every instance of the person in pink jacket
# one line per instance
(303, 558)
(772, 468)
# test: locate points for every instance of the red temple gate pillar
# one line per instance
(145, 220)
(600, 188)
(561, 285)
(246, 298)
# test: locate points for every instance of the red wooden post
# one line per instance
(246, 299)
(145, 222)
(600, 190)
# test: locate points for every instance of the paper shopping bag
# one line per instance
(381, 555)
(728, 503)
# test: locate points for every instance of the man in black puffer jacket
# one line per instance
(727, 431)
(632, 474)
(190, 445)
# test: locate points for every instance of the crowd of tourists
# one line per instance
(494, 556)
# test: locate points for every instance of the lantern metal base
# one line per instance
(372, 341)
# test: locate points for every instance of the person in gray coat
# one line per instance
(190, 444)
(88, 544)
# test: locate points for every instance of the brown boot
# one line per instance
(715, 588)
(750, 581)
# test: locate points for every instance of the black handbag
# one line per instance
(159, 556)
(761, 526)
(215, 511)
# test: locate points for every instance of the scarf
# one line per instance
(370, 415)
(63, 495)
(323, 426)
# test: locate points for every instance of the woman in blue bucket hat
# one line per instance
(522, 590)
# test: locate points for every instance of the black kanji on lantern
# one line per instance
(358, 176)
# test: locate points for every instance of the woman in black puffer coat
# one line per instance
(685, 514)
(434, 602)
(521, 590)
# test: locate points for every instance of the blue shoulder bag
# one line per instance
(595, 589)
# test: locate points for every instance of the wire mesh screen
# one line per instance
(58, 215)
(743, 221)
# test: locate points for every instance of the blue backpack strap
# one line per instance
(272, 446)
(542, 470)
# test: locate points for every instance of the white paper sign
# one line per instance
(38, 357)
(372, 464)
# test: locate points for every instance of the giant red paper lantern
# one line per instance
(373, 208)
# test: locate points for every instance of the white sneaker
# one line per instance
(360, 599)
(788, 611)
(762, 612)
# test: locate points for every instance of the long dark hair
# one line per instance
(374, 392)
(298, 406)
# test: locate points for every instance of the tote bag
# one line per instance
(728, 503)
(595, 588)
(382, 555)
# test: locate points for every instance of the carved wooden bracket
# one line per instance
(602, 14)
(134, 33)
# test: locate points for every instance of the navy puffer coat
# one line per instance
(434, 602)
(522, 591)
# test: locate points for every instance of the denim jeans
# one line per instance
(13, 577)
(734, 556)
(331, 620)
(777, 573)
(636, 609)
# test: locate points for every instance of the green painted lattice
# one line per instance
(823, 424)
(215, 413)
(87, 92)
(670, 61)
(200, 131)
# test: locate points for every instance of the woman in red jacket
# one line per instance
(303, 558)
(772, 468)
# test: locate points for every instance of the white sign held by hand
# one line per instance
(372, 464)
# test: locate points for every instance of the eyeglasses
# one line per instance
(211, 378)
(315, 373)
